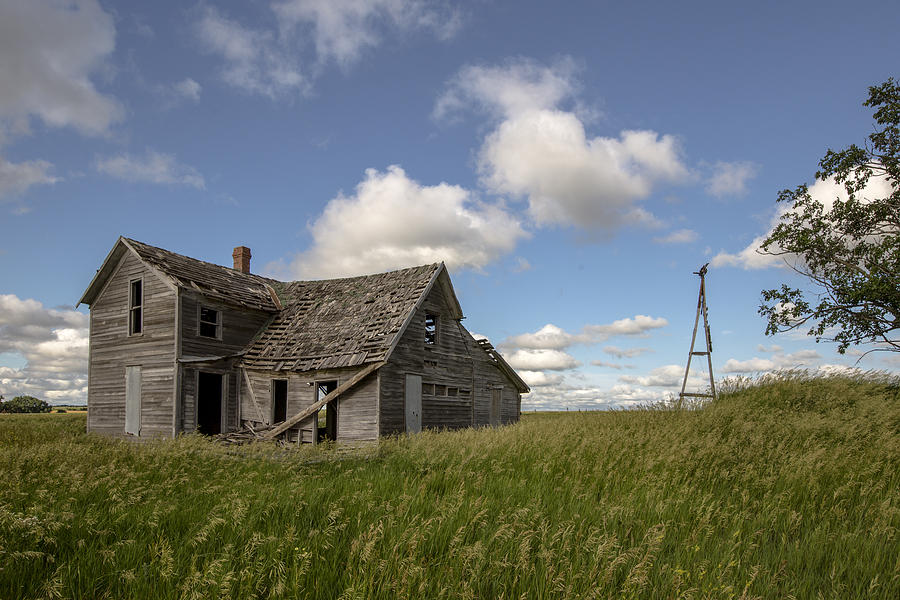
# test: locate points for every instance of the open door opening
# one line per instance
(327, 416)
(209, 403)
(279, 400)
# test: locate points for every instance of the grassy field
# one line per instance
(779, 490)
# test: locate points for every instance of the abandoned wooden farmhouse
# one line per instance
(181, 345)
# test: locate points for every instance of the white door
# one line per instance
(133, 400)
(413, 403)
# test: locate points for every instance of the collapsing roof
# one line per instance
(340, 322)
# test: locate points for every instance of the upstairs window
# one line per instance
(135, 307)
(431, 328)
(210, 323)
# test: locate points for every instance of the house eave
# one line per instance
(103, 273)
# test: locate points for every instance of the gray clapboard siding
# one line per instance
(112, 349)
(189, 399)
(357, 413)
(487, 378)
(239, 326)
(448, 362)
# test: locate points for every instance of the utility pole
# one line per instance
(701, 309)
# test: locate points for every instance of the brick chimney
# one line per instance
(241, 256)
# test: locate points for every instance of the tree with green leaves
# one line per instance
(24, 404)
(849, 251)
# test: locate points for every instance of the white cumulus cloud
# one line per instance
(255, 60)
(536, 379)
(730, 178)
(296, 38)
(54, 344)
(824, 192)
(568, 178)
(152, 167)
(548, 337)
(542, 153)
(343, 29)
(552, 337)
(748, 366)
(772, 348)
(611, 365)
(16, 178)
(516, 87)
(392, 221)
(187, 88)
(779, 360)
(639, 325)
(541, 360)
(625, 352)
(681, 236)
(668, 376)
(49, 52)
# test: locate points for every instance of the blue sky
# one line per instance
(572, 163)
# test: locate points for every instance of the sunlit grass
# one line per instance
(787, 487)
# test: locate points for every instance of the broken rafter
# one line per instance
(313, 408)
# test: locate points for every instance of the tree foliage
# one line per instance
(24, 404)
(850, 251)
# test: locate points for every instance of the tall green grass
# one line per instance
(782, 488)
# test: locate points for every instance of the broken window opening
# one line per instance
(210, 322)
(430, 328)
(135, 307)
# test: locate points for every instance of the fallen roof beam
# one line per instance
(313, 408)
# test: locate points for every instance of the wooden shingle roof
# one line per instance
(340, 322)
(213, 281)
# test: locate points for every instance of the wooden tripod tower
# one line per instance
(701, 309)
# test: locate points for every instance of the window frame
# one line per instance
(132, 308)
(200, 322)
(435, 331)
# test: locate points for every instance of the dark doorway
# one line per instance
(279, 400)
(327, 419)
(209, 403)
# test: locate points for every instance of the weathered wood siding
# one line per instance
(446, 363)
(112, 349)
(357, 414)
(239, 326)
(188, 399)
(488, 377)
